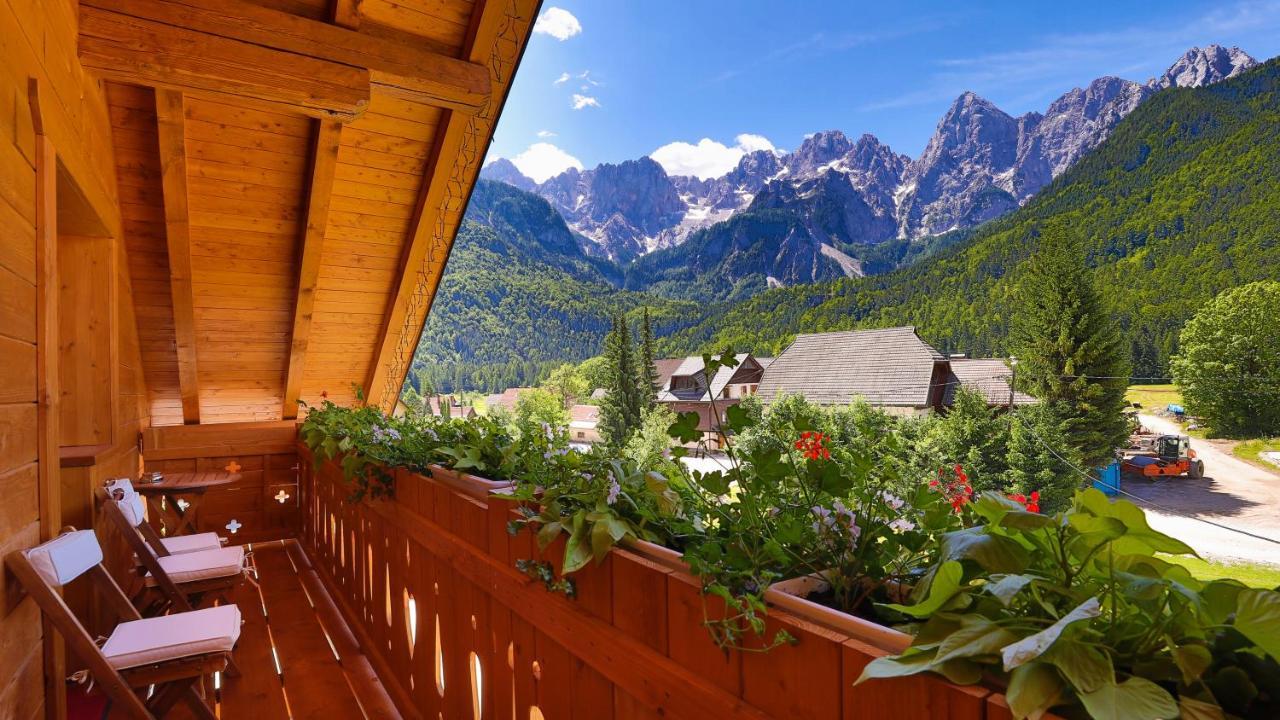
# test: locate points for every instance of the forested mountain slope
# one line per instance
(519, 295)
(1181, 202)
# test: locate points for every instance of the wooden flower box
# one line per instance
(428, 582)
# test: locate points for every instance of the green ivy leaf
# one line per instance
(1134, 698)
(1258, 618)
(685, 428)
(1033, 689)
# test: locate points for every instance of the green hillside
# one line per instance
(1181, 202)
(519, 295)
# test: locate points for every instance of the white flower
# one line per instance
(893, 501)
(902, 525)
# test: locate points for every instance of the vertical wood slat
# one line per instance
(171, 134)
(528, 665)
(48, 391)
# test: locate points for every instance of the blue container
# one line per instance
(1109, 479)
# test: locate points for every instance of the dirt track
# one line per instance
(1232, 493)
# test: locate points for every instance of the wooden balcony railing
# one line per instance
(428, 583)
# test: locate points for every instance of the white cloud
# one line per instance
(707, 159)
(558, 23)
(544, 160)
(546, 134)
(584, 101)
(564, 78)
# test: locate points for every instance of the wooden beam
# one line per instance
(324, 163)
(171, 133)
(461, 142)
(48, 389)
(395, 67)
(121, 47)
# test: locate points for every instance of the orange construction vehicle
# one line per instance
(1168, 456)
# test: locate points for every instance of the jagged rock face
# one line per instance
(619, 207)
(979, 164)
(954, 182)
(818, 150)
(1204, 66)
(503, 170)
(831, 209)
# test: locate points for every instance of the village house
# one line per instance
(506, 399)
(687, 390)
(891, 368)
(584, 423)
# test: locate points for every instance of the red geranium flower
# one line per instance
(956, 489)
(813, 445)
(1031, 503)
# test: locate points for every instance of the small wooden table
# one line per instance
(163, 497)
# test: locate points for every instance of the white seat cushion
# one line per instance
(133, 507)
(179, 544)
(65, 557)
(169, 637)
(202, 565)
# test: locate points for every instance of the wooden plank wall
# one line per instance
(428, 584)
(263, 454)
(37, 41)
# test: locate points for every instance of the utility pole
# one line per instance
(1013, 378)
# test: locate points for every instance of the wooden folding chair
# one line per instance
(173, 653)
(176, 545)
(183, 580)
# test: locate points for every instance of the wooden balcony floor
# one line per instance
(297, 657)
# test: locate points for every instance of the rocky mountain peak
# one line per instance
(1203, 66)
(817, 150)
(503, 170)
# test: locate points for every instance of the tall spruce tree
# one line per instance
(1070, 353)
(620, 409)
(647, 372)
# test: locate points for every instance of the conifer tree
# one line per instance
(1070, 354)
(620, 409)
(648, 371)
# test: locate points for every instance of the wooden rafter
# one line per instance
(459, 147)
(238, 48)
(171, 133)
(324, 163)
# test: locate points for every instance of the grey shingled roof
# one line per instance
(892, 367)
(989, 376)
(692, 365)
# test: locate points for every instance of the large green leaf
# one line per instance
(1134, 699)
(1084, 666)
(945, 585)
(1033, 689)
(1192, 660)
(978, 636)
(1007, 587)
(995, 553)
(1193, 709)
(1033, 646)
(1258, 618)
(899, 666)
(1221, 598)
(1138, 534)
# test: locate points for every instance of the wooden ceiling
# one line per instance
(291, 175)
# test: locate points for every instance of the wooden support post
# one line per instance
(48, 391)
(170, 132)
(324, 163)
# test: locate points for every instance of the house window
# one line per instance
(581, 435)
(725, 393)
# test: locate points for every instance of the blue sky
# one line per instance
(611, 80)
